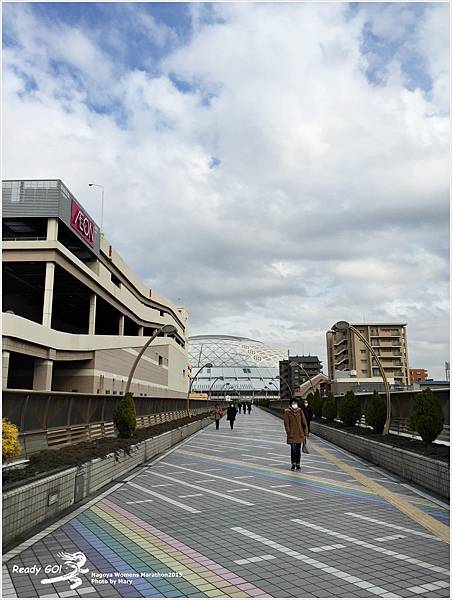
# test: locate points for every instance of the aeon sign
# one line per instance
(82, 223)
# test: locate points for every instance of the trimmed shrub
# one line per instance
(317, 404)
(427, 416)
(350, 409)
(125, 416)
(376, 412)
(10, 440)
(329, 408)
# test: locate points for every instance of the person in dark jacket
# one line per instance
(239, 404)
(297, 431)
(308, 414)
(231, 414)
(249, 407)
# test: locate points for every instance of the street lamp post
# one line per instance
(209, 366)
(343, 326)
(165, 329)
(288, 385)
(306, 373)
(213, 383)
(102, 207)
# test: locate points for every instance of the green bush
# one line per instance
(427, 416)
(350, 409)
(10, 440)
(376, 413)
(125, 416)
(329, 408)
(317, 404)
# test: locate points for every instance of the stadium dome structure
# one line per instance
(248, 368)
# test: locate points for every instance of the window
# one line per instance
(115, 280)
(160, 360)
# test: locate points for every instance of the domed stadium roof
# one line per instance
(231, 351)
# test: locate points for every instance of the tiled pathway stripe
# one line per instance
(244, 503)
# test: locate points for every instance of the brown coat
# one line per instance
(295, 425)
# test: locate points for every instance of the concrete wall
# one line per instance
(27, 506)
(431, 474)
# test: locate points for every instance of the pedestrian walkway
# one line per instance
(223, 516)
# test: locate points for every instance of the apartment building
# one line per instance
(346, 352)
(74, 314)
(417, 375)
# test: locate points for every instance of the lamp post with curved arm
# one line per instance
(165, 329)
(343, 326)
(98, 185)
(214, 382)
(288, 385)
(209, 366)
(306, 373)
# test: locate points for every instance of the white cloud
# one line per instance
(330, 198)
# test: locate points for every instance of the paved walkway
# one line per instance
(223, 516)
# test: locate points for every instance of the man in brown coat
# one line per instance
(296, 429)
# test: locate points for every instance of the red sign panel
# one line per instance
(82, 223)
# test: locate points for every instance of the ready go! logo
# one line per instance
(74, 562)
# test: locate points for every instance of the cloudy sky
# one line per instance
(275, 167)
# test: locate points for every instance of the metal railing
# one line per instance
(54, 419)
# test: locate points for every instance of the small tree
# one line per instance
(350, 409)
(10, 440)
(125, 416)
(329, 408)
(427, 416)
(376, 413)
(317, 404)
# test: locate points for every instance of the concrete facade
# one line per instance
(346, 352)
(87, 314)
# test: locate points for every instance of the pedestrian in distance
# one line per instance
(231, 414)
(308, 414)
(297, 431)
(249, 407)
(239, 404)
(217, 413)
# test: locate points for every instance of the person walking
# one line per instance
(297, 430)
(240, 407)
(231, 414)
(249, 407)
(217, 413)
(308, 414)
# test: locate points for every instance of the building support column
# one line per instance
(52, 229)
(5, 368)
(121, 325)
(141, 331)
(92, 314)
(48, 294)
(42, 377)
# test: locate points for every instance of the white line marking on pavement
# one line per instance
(233, 445)
(347, 538)
(204, 448)
(239, 490)
(256, 487)
(245, 561)
(315, 563)
(139, 501)
(252, 440)
(208, 470)
(202, 489)
(204, 480)
(243, 476)
(428, 587)
(161, 485)
(165, 498)
(281, 486)
(392, 526)
(389, 538)
(191, 495)
(325, 548)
